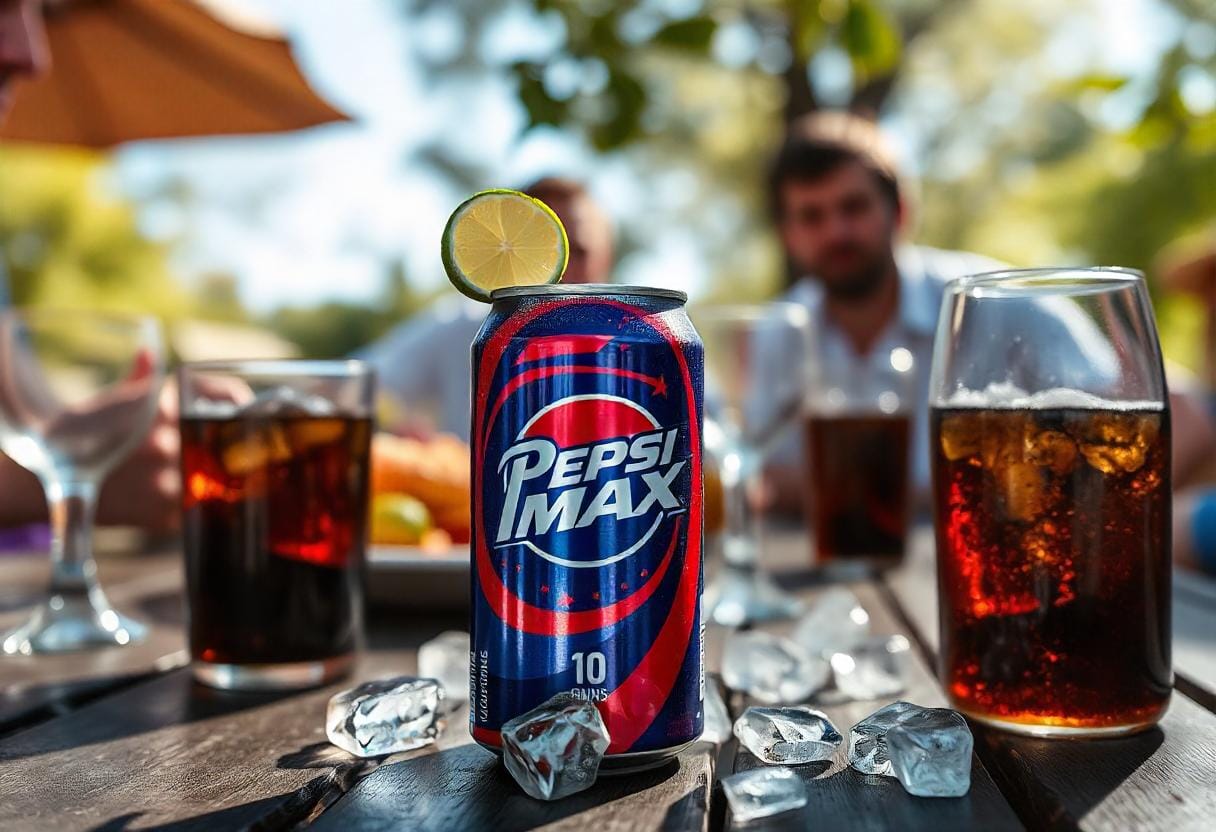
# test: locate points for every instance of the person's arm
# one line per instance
(143, 491)
(21, 499)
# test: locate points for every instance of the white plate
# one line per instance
(418, 579)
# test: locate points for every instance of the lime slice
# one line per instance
(503, 238)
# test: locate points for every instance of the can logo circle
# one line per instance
(587, 520)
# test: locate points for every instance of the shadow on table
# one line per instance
(172, 699)
(233, 817)
(1061, 778)
(835, 793)
(279, 812)
(467, 788)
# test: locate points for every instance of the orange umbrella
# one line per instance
(125, 70)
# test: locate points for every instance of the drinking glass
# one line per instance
(858, 441)
(78, 392)
(755, 367)
(1050, 436)
(275, 472)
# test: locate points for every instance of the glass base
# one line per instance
(1031, 729)
(742, 596)
(64, 623)
(284, 676)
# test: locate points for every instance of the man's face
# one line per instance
(840, 228)
(23, 49)
(590, 235)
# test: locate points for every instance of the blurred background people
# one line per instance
(424, 362)
(1189, 269)
(144, 490)
(841, 210)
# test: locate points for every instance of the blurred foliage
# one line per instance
(66, 241)
(692, 95)
(1026, 145)
(338, 328)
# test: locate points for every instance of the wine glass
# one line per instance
(78, 391)
(756, 360)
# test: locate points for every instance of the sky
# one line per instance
(332, 205)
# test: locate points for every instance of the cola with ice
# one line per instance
(275, 510)
(859, 485)
(1053, 537)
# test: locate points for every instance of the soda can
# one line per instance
(587, 514)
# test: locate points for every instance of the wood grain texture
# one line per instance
(34, 688)
(1195, 636)
(170, 751)
(841, 798)
(466, 787)
(1162, 779)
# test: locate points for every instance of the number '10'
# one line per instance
(589, 668)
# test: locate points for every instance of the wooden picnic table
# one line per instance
(124, 739)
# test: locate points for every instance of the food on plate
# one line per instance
(434, 473)
(399, 519)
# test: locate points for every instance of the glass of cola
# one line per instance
(1050, 433)
(274, 498)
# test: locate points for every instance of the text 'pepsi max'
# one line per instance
(587, 514)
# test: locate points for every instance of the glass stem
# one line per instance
(73, 571)
(741, 533)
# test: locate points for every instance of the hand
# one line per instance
(145, 489)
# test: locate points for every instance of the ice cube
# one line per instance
(555, 749)
(1117, 442)
(834, 624)
(446, 658)
(867, 739)
(249, 449)
(1051, 449)
(762, 792)
(873, 669)
(385, 716)
(717, 718)
(787, 735)
(771, 669)
(311, 433)
(1024, 490)
(287, 401)
(961, 435)
(930, 753)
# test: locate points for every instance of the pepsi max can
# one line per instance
(587, 514)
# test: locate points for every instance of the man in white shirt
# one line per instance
(839, 209)
(144, 490)
(424, 362)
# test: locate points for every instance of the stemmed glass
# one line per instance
(78, 391)
(756, 360)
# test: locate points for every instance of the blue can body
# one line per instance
(587, 513)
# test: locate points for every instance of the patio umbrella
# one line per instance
(126, 70)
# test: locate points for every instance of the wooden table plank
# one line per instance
(34, 687)
(1161, 779)
(1195, 636)
(171, 751)
(841, 798)
(466, 787)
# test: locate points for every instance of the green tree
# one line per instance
(339, 328)
(66, 240)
